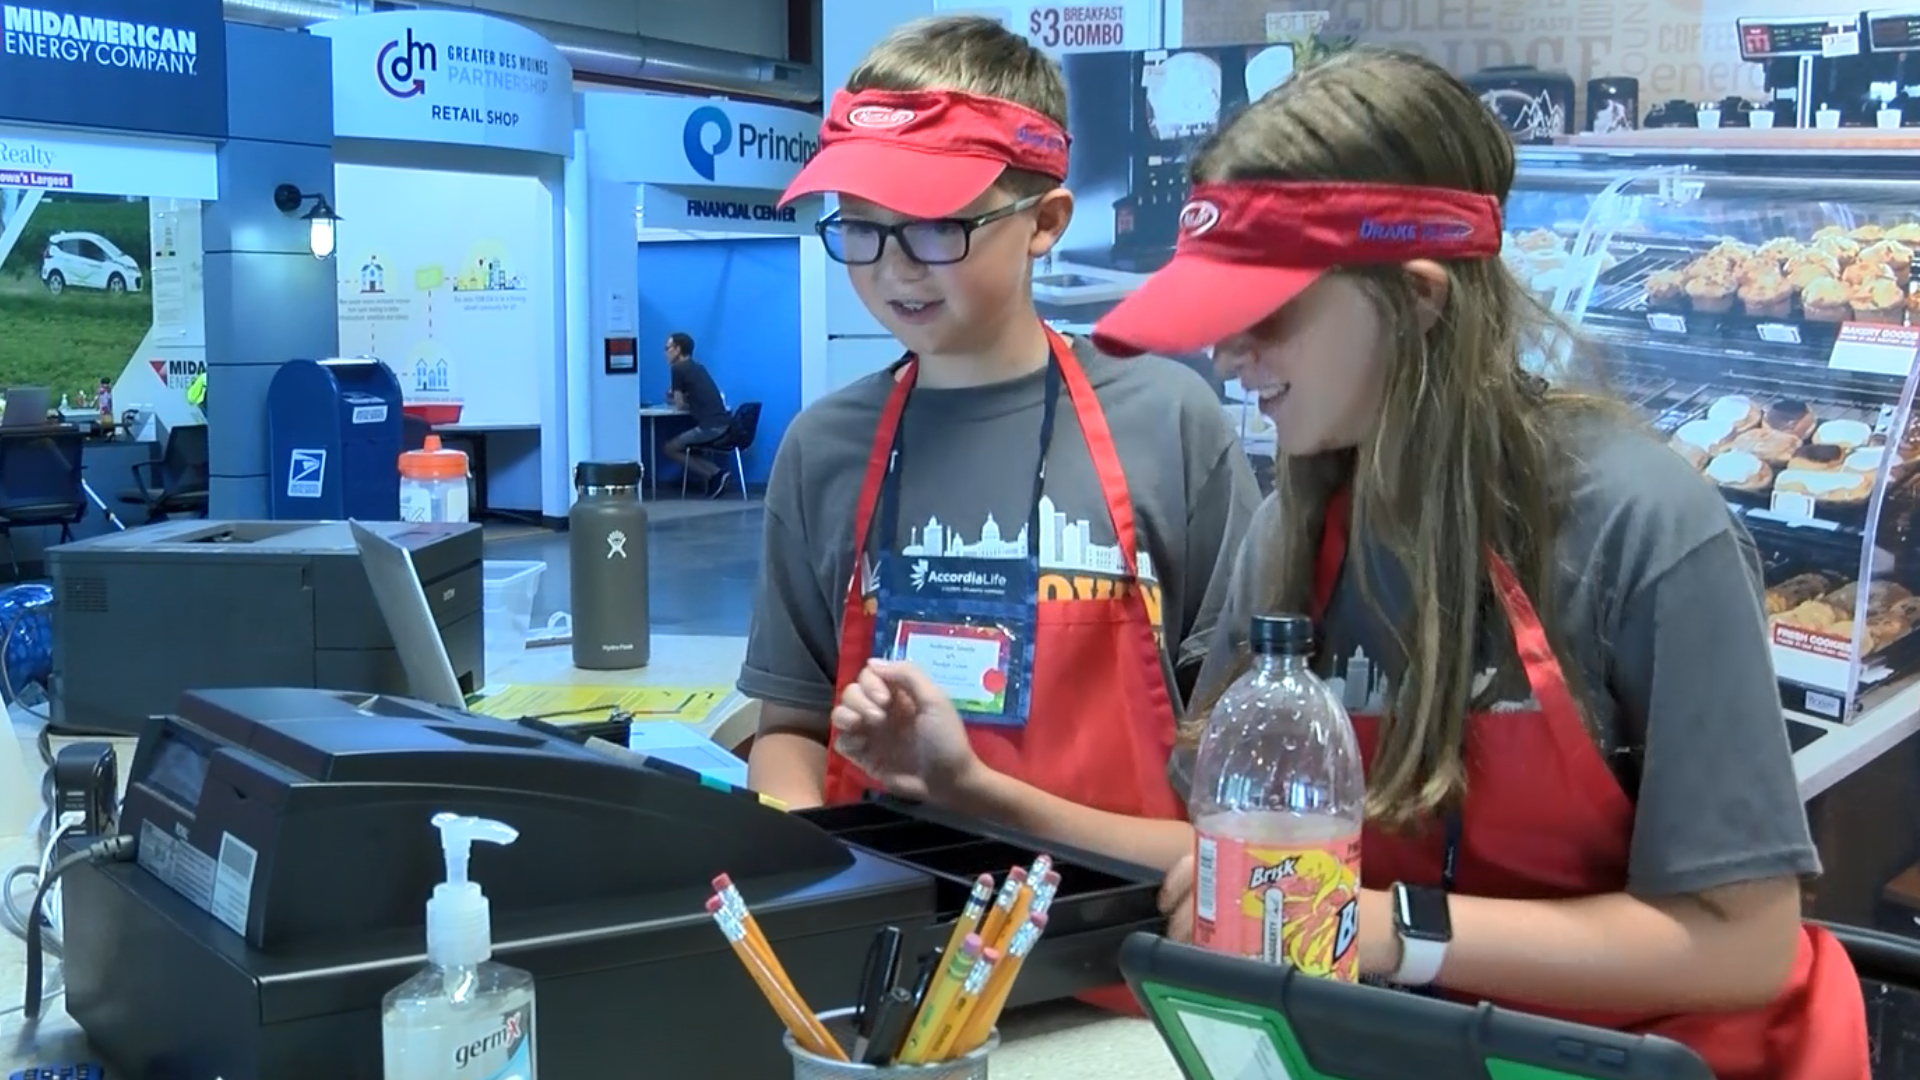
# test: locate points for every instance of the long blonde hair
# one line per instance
(1467, 454)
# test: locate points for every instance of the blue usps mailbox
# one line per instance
(333, 441)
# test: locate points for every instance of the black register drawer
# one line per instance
(1100, 900)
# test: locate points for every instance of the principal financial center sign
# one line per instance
(449, 77)
(116, 64)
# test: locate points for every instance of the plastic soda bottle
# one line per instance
(1278, 802)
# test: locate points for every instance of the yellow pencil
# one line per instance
(1003, 904)
(993, 999)
(736, 906)
(933, 1011)
(806, 1029)
(1016, 918)
(969, 920)
(1044, 892)
(964, 1004)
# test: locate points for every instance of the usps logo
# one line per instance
(306, 474)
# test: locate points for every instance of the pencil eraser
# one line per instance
(984, 879)
(714, 904)
(1052, 880)
(972, 945)
(1038, 919)
(991, 956)
(1018, 874)
(722, 883)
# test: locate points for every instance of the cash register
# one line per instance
(284, 855)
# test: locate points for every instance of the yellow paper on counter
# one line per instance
(586, 704)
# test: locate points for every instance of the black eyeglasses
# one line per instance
(933, 242)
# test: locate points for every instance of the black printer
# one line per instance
(285, 855)
(149, 613)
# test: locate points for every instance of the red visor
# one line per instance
(1248, 247)
(926, 153)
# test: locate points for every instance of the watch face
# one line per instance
(1424, 914)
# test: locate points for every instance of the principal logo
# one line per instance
(402, 63)
(700, 155)
(41, 34)
(1198, 217)
(878, 117)
(306, 473)
(918, 576)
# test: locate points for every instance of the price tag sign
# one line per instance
(1840, 43)
(1792, 506)
(1070, 28)
(1875, 349)
(1666, 322)
(1779, 333)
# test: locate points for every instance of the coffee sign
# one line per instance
(121, 64)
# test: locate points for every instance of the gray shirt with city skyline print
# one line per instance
(966, 488)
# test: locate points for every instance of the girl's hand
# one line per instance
(904, 732)
(1176, 899)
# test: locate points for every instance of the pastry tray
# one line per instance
(1783, 561)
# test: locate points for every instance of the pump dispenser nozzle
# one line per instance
(459, 920)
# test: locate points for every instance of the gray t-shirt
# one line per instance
(1662, 601)
(967, 483)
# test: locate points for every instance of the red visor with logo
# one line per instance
(1248, 247)
(926, 153)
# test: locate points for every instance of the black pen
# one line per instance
(890, 1023)
(881, 973)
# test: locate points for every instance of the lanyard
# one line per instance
(890, 483)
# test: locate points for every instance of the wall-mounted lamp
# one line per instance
(320, 220)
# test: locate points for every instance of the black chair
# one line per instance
(741, 429)
(413, 432)
(177, 483)
(40, 483)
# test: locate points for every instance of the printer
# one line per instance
(284, 855)
(149, 613)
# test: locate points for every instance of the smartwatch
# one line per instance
(1422, 920)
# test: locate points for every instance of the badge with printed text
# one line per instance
(970, 664)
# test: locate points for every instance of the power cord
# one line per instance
(120, 848)
(18, 921)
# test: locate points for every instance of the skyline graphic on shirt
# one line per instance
(1064, 545)
(1365, 688)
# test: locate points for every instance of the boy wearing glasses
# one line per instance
(1026, 540)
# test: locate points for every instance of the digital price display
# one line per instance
(1777, 39)
(1893, 31)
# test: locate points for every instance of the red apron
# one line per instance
(1100, 722)
(1546, 818)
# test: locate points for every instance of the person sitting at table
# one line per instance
(694, 393)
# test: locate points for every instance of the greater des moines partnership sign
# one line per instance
(130, 65)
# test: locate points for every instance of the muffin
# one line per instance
(1817, 457)
(1895, 256)
(1691, 454)
(1713, 266)
(1776, 448)
(1814, 257)
(1868, 234)
(1740, 470)
(1779, 249)
(1731, 249)
(1735, 411)
(1825, 231)
(1843, 248)
(1880, 300)
(1711, 436)
(1913, 305)
(1860, 271)
(1537, 240)
(1846, 434)
(1791, 416)
(1826, 300)
(1806, 273)
(1755, 269)
(1907, 232)
(1767, 297)
(1711, 294)
(1667, 289)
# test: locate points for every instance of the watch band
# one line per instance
(1420, 961)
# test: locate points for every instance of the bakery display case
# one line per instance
(1761, 312)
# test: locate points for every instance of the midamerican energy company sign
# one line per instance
(119, 64)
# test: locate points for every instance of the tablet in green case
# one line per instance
(1226, 1018)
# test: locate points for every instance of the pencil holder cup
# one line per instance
(839, 1022)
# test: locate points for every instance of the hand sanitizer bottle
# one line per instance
(463, 1015)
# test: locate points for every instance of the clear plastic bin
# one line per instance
(510, 588)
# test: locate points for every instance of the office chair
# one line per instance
(739, 436)
(40, 483)
(177, 483)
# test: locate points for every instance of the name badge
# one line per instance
(970, 663)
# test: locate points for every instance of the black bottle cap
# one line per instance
(606, 474)
(1281, 635)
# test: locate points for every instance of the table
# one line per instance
(678, 660)
(649, 436)
(475, 436)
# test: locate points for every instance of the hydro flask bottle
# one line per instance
(608, 551)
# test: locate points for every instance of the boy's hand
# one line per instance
(1176, 899)
(904, 732)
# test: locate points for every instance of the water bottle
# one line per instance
(1279, 798)
(608, 555)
